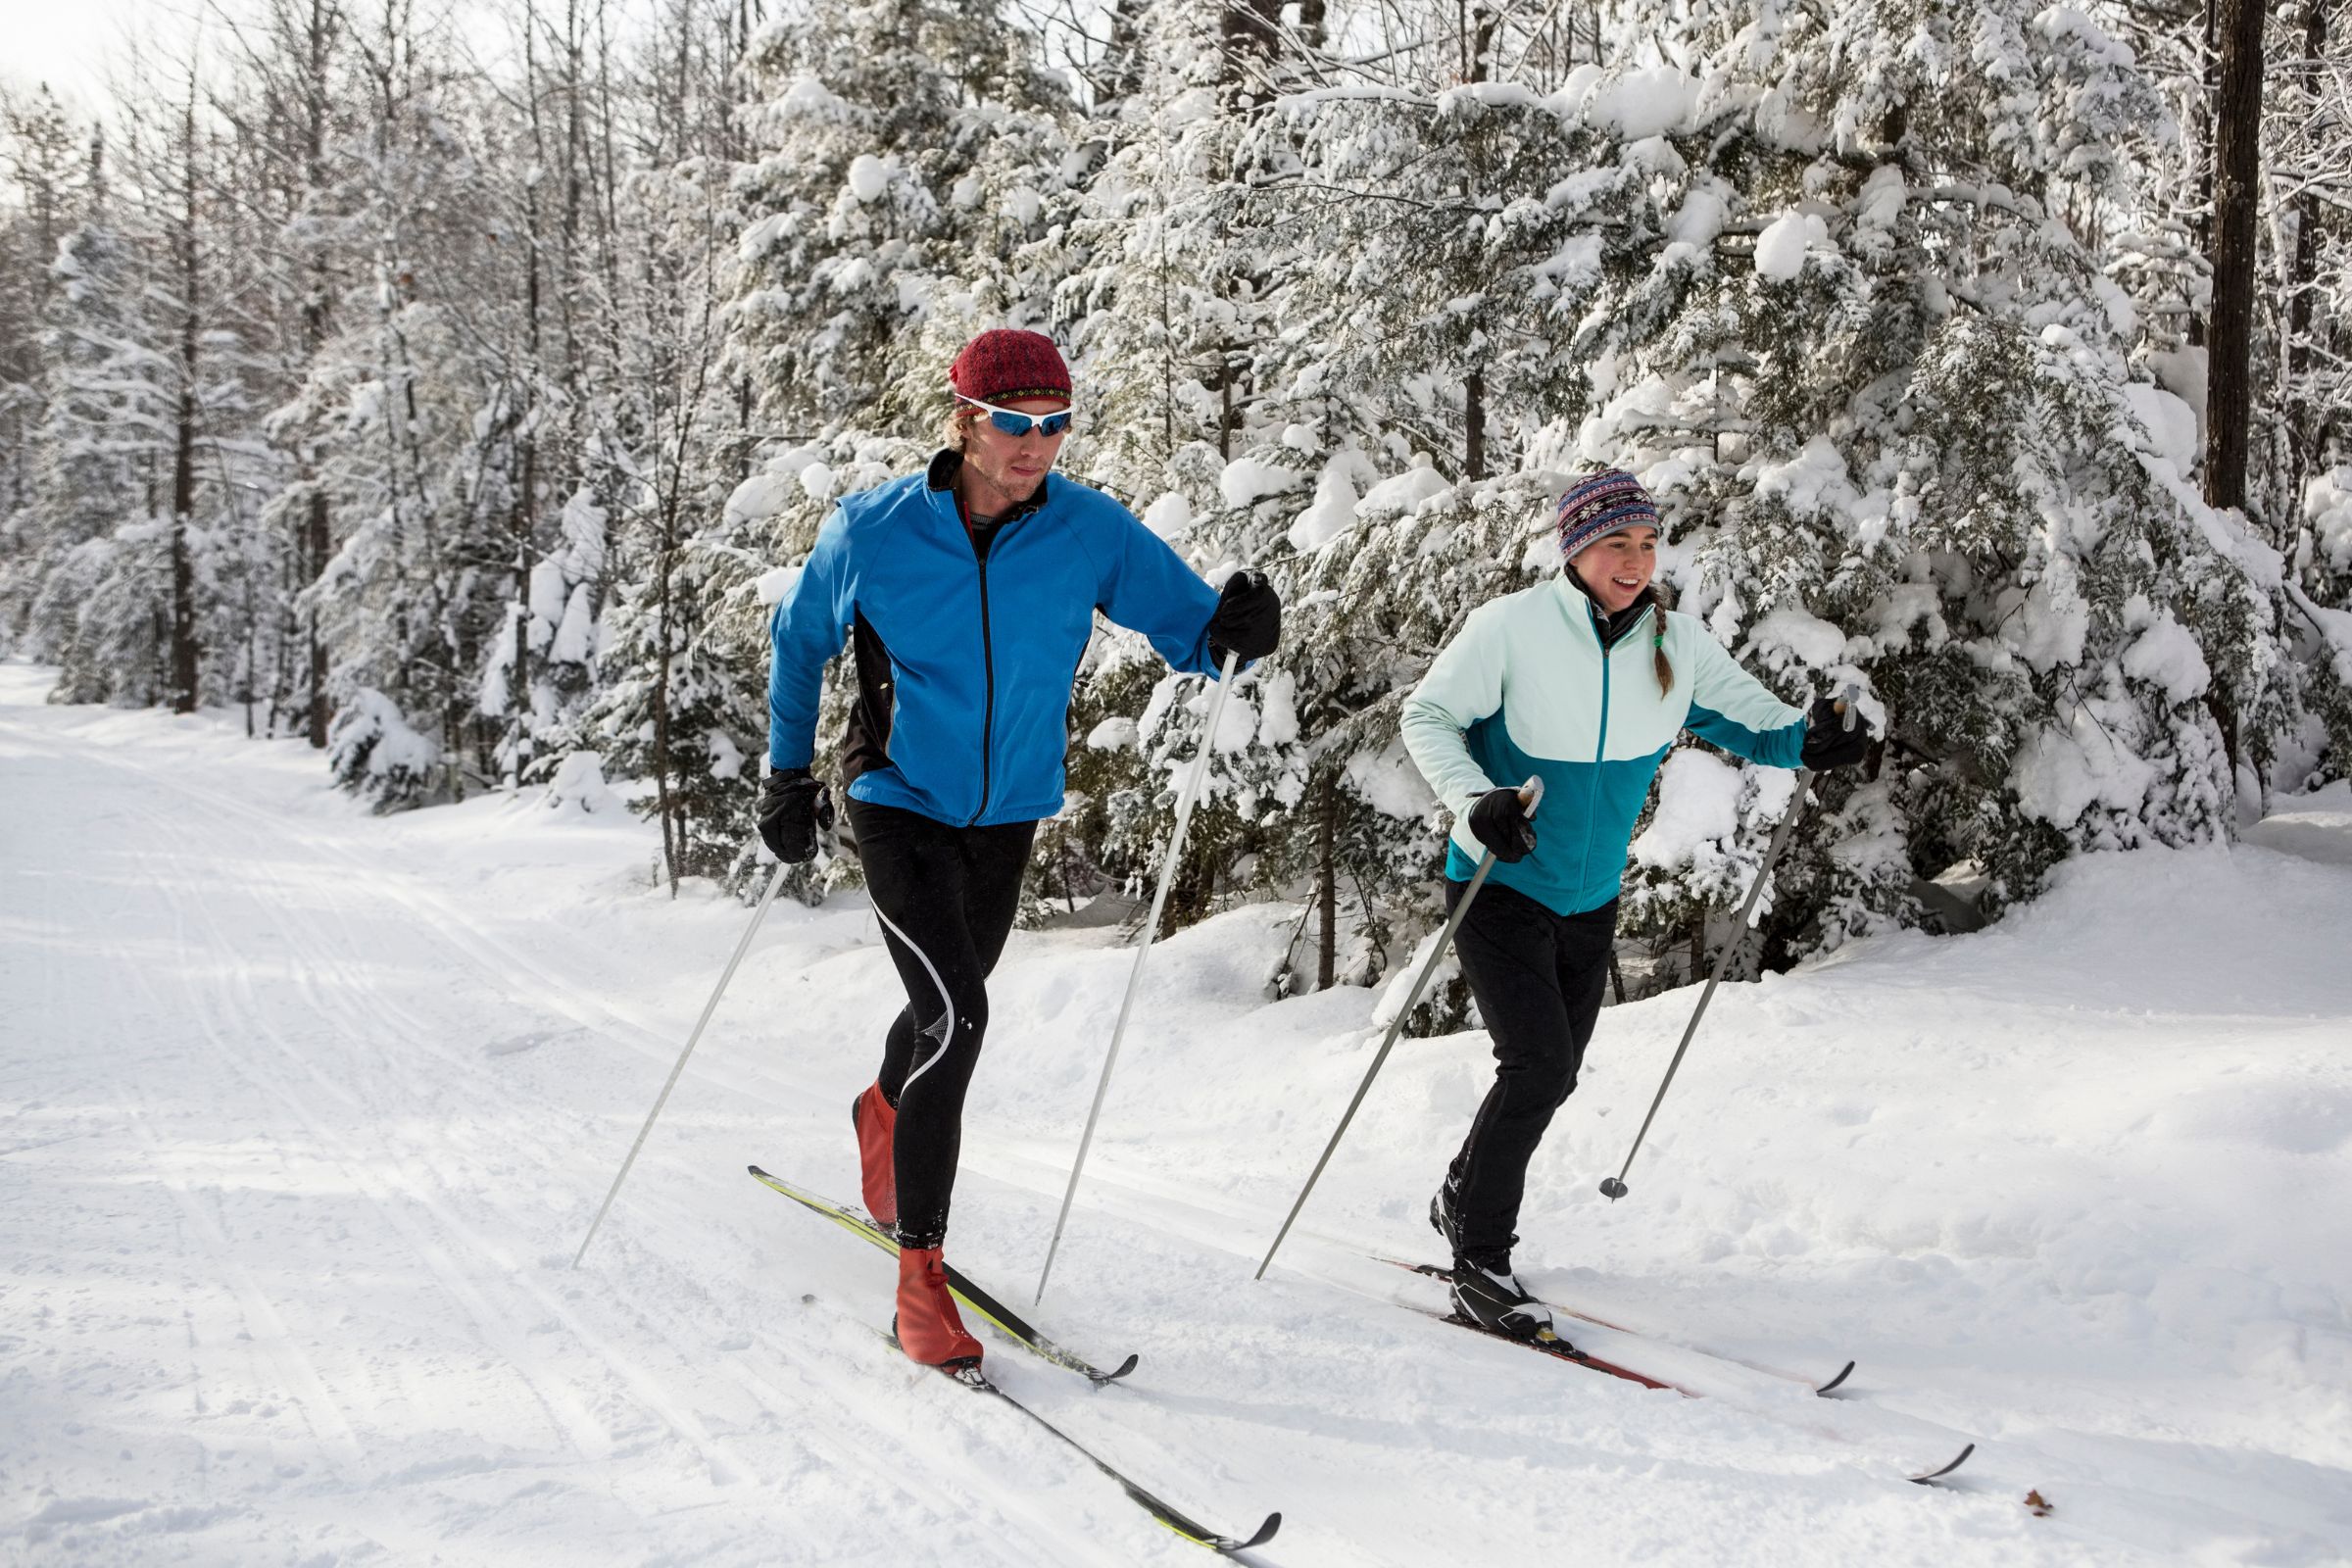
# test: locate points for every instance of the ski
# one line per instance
(1558, 1348)
(1548, 1344)
(972, 1377)
(996, 1313)
(1435, 1272)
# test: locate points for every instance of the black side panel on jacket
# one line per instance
(866, 741)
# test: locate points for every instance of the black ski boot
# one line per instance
(1441, 1216)
(1494, 1299)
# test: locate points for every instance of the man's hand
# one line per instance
(1247, 619)
(793, 806)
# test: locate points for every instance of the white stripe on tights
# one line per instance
(944, 1025)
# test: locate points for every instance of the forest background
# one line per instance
(456, 390)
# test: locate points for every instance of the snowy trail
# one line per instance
(302, 1113)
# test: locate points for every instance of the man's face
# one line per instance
(1010, 465)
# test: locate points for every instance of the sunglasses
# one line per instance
(1016, 423)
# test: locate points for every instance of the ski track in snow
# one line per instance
(303, 1113)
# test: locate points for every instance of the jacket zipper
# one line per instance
(1600, 751)
(988, 656)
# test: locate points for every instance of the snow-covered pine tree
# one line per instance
(1450, 232)
(1171, 290)
(910, 159)
(1888, 401)
(90, 546)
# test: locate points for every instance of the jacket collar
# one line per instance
(940, 476)
(1607, 630)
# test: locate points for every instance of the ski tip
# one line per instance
(1843, 1373)
(1938, 1474)
(1265, 1532)
(756, 1171)
(1115, 1373)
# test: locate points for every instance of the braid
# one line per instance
(1657, 612)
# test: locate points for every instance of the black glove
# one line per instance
(1248, 620)
(1500, 823)
(793, 806)
(1833, 739)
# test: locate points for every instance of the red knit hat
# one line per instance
(1002, 365)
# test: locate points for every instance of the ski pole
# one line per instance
(1167, 875)
(708, 1007)
(1531, 795)
(1613, 1187)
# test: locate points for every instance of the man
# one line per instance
(969, 594)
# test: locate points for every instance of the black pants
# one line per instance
(947, 897)
(1537, 977)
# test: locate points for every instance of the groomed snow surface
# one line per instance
(305, 1112)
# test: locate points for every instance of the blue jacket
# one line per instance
(1528, 688)
(966, 653)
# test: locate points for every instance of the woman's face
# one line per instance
(1617, 569)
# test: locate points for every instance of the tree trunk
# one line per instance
(2306, 422)
(183, 451)
(1474, 426)
(1327, 881)
(2238, 148)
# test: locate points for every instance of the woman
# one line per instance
(1587, 680)
(969, 593)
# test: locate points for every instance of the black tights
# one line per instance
(947, 897)
(1537, 978)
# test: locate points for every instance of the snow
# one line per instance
(2166, 655)
(1246, 480)
(1781, 248)
(1792, 634)
(773, 584)
(2059, 774)
(1114, 734)
(1641, 104)
(1389, 781)
(1331, 514)
(307, 1111)
(763, 495)
(579, 786)
(1812, 482)
(575, 634)
(2171, 425)
(1699, 804)
(1404, 492)
(1170, 517)
(2328, 513)
(870, 176)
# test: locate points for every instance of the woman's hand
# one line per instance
(1498, 819)
(1834, 736)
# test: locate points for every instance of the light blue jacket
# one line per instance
(1526, 688)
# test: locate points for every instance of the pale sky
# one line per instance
(67, 42)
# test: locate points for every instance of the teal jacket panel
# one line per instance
(1527, 689)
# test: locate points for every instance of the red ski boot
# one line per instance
(875, 1120)
(927, 1327)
